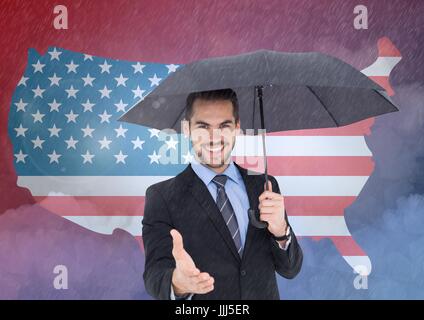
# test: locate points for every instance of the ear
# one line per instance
(238, 129)
(186, 128)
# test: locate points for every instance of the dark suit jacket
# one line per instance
(185, 203)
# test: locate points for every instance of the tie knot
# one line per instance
(220, 180)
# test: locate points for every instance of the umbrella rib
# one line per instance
(179, 115)
(320, 101)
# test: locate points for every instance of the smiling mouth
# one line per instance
(214, 149)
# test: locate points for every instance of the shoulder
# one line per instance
(169, 187)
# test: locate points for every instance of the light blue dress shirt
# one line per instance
(235, 189)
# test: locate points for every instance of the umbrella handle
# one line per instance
(253, 214)
(255, 221)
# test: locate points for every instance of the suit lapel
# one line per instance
(205, 199)
(254, 188)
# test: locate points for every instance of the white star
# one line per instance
(88, 57)
(120, 132)
(38, 92)
(138, 67)
(23, 81)
(188, 157)
(88, 106)
(154, 133)
(38, 142)
(172, 67)
(71, 117)
(154, 157)
(20, 157)
(71, 143)
(138, 92)
(87, 131)
(54, 106)
(88, 157)
(105, 92)
(54, 54)
(38, 67)
(154, 81)
(120, 106)
(54, 80)
(104, 143)
(54, 157)
(105, 117)
(72, 92)
(105, 67)
(54, 131)
(121, 81)
(20, 105)
(20, 131)
(137, 143)
(171, 143)
(120, 157)
(38, 116)
(72, 67)
(88, 81)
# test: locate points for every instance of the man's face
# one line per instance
(212, 130)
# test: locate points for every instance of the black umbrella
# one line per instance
(294, 91)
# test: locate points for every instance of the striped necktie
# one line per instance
(227, 211)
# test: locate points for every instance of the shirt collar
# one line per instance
(206, 174)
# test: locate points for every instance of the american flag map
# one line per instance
(81, 163)
(73, 177)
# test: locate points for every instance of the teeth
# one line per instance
(214, 149)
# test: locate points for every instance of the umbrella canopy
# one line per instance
(294, 91)
(300, 91)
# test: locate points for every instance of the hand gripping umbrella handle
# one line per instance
(253, 214)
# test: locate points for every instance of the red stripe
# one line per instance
(310, 166)
(359, 128)
(383, 81)
(93, 206)
(346, 245)
(317, 205)
(386, 48)
(134, 206)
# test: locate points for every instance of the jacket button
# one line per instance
(243, 273)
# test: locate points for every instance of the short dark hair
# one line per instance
(212, 95)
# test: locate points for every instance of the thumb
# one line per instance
(269, 185)
(177, 244)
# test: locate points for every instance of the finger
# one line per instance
(265, 217)
(269, 203)
(269, 195)
(177, 244)
(192, 273)
(267, 210)
(202, 278)
(206, 283)
(204, 290)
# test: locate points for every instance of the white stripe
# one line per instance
(137, 185)
(381, 67)
(302, 146)
(302, 225)
(223, 205)
(106, 224)
(88, 185)
(360, 264)
(321, 185)
(319, 226)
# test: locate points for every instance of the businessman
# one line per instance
(196, 232)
